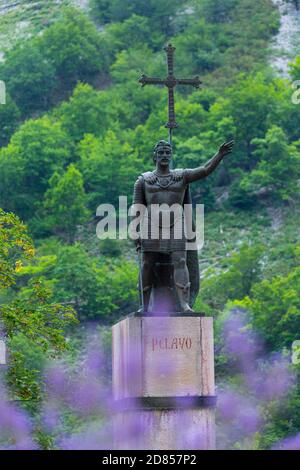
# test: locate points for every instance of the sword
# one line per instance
(141, 281)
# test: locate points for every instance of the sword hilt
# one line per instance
(170, 56)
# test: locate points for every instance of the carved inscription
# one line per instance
(180, 343)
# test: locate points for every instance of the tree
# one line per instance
(98, 287)
(30, 77)
(239, 196)
(108, 166)
(11, 177)
(135, 30)
(9, 119)
(73, 46)
(75, 278)
(197, 48)
(282, 421)
(240, 272)
(30, 315)
(273, 305)
(286, 114)
(295, 69)
(65, 203)
(249, 102)
(159, 13)
(87, 111)
(278, 167)
(116, 290)
(35, 151)
(15, 244)
(217, 11)
(127, 67)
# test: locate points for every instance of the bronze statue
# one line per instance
(168, 187)
(169, 273)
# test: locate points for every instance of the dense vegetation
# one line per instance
(77, 130)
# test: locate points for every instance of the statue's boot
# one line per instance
(183, 293)
(146, 300)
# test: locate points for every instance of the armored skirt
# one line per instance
(164, 237)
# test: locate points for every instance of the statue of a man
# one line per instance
(167, 187)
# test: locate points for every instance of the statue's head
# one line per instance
(162, 153)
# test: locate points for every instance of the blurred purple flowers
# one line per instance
(258, 381)
(78, 409)
(15, 426)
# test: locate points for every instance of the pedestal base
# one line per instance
(191, 429)
(163, 383)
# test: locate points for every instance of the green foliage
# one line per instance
(240, 272)
(75, 277)
(35, 328)
(43, 70)
(159, 13)
(249, 102)
(241, 198)
(15, 244)
(109, 168)
(282, 420)
(274, 309)
(65, 203)
(35, 151)
(110, 247)
(87, 111)
(30, 77)
(198, 49)
(219, 11)
(285, 113)
(72, 45)
(278, 167)
(117, 294)
(92, 145)
(74, 48)
(30, 317)
(9, 119)
(295, 69)
(24, 382)
(134, 30)
(103, 291)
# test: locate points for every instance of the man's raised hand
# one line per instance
(226, 148)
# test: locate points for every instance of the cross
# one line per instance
(170, 82)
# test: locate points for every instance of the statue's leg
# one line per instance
(148, 260)
(181, 278)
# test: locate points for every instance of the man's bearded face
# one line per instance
(163, 155)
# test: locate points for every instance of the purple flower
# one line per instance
(291, 443)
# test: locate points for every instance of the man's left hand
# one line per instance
(226, 148)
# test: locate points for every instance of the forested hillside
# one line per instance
(76, 131)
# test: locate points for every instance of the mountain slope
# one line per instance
(20, 19)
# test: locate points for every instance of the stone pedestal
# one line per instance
(163, 383)
(2, 352)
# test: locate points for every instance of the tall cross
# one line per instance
(170, 82)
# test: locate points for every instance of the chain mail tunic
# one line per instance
(162, 229)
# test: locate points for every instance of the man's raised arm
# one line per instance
(203, 171)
